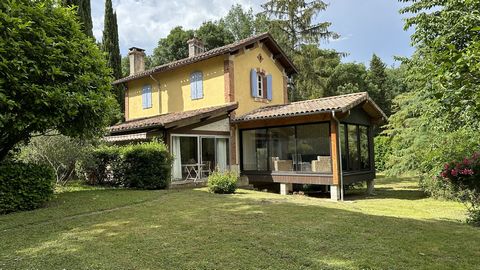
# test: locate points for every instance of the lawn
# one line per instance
(192, 229)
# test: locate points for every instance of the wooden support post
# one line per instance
(334, 152)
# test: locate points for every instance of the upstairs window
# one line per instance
(261, 84)
(147, 96)
(196, 85)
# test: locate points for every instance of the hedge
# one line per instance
(144, 166)
(24, 186)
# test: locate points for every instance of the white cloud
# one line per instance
(141, 23)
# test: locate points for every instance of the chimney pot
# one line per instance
(195, 47)
(136, 58)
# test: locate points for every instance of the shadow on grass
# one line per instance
(194, 229)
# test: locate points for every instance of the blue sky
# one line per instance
(365, 26)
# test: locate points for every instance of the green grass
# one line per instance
(193, 229)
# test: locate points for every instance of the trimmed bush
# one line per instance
(100, 166)
(146, 166)
(24, 186)
(222, 182)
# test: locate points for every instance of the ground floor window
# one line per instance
(297, 148)
(355, 146)
(196, 156)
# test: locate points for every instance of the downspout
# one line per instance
(159, 95)
(339, 154)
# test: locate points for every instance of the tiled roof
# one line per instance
(340, 103)
(170, 118)
(212, 53)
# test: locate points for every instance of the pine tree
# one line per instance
(112, 49)
(377, 78)
(84, 14)
(291, 22)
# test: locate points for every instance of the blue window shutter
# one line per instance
(199, 85)
(269, 87)
(149, 96)
(253, 79)
(144, 97)
(193, 86)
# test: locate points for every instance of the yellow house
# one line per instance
(228, 109)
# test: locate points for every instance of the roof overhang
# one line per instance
(265, 38)
(172, 120)
(339, 104)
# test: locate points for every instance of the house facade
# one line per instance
(228, 108)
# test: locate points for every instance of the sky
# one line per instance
(365, 26)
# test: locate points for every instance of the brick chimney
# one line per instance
(136, 57)
(195, 47)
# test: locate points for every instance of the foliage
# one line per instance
(84, 13)
(173, 47)
(99, 166)
(222, 182)
(242, 23)
(24, 186)
(464, 178)
(347, 78)
(52, 76)
(112, 50)
(377, 84)
(214, 34)
(58, 152)
(293, 21)
(292, 25)
(438, 120)
(382, 152)
(146, 166)
(316, 66)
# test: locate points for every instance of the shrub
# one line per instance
(146, 166)
(101, 166)
(24, 186)
(56, 151)
(464, 179)
(222, 182)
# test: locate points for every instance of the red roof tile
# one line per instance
(170, 118)
(340, 103)
(215, 52)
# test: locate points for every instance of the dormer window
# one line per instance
(261, 84)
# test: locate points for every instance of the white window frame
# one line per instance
(260, 90)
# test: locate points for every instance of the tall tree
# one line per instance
(112, 49)
(244, 23)
(84, 13)
(438, 120)
(292, 22)
(377, 78)
(214, 34)
(173, 47)
(64, 85)
(347, 78)
(317, 66)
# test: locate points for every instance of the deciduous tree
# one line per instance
(52, 76)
